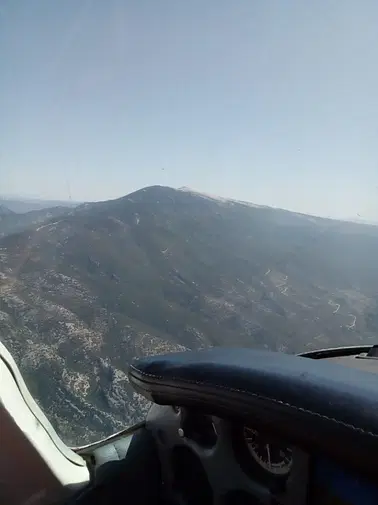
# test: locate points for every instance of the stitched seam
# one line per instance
(260, 397)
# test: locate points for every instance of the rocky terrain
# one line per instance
(161, 270)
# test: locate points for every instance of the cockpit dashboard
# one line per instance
(207, 459)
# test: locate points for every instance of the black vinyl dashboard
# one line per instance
(232, 456)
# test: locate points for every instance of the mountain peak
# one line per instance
(186, 189)
(217, 198)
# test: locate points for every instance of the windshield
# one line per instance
(181, 175)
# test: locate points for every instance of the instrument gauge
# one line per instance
(273, 458)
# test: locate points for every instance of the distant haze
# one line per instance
(269, 102)
(21, 205)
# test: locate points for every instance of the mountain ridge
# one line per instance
(22, 205)
(4, 211)
(13, 222)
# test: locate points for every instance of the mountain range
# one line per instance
(21, 205)
(84, 290)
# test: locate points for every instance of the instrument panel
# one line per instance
(231, 464)
(240, 464)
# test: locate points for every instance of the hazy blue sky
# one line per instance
(274, 102)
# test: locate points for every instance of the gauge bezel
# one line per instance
(272, 469)
(275, 482)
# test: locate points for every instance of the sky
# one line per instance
(266, 101)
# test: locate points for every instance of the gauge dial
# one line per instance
(271, 457)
